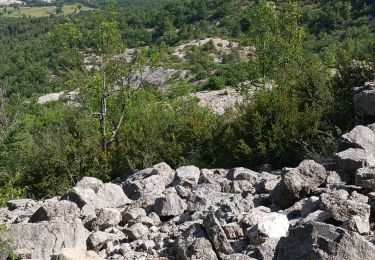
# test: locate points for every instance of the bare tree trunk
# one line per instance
(103, 114)
(3, 116)
(118, 126)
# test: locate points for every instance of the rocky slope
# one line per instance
(312, 211)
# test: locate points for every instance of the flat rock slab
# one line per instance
(46, 238)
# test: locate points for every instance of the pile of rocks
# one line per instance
(312, 211)
(191, 213)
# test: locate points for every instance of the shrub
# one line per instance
(274, 129)
(216, 83)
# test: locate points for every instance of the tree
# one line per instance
(276, 34)
(111, 88)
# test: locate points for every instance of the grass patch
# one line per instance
(42, 11)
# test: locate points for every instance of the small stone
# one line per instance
(105, 218)
(188, 175)
(233, 231)
(20, 204)
(133, 214)
(136, 231)
(170, 205)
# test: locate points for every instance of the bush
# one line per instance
(216, 83)
(177, 131)
(274, 129)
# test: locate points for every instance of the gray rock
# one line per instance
(193, 244)
(75, 254)
(243, 174)
(217, 177)
(302, 208)
(267, 182)
(266, 250)
(188, 175)
(93, 195)
(236, 257)
(46, 238)
(316, 216)
(231, 208)
(105, 218)
(323, 241)
(233, 230)
(242, 186)
(183, 192)
(267, 225)
(133, 214)
(364, 102)
(298, 183)
(365, 178)
(165, 171)
(148, 222)
(146, 187)
(136, 231)
(155, 218)
(170, 205)
(90, 183)
(61, 210)
(352, 159)
(360, 137)
(148, 245)
(99, 240)
(20, 204)
(204, 198)
(217, 235)
(343, 209)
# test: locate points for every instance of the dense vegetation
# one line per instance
(312, 53)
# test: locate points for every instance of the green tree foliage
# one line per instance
(276, 35)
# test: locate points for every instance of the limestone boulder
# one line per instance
(150, 187)
(364, 101)
(352, 159)
(352, 212)
(169, 205)
(365, 178)
(61, 210)
(359, 137)
(321, 241)
(43, 239)
(298, 183)
(92, 194)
